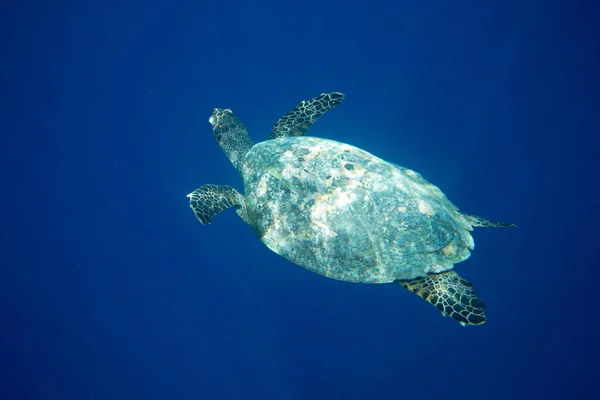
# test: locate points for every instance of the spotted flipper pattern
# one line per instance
(231, 135)
(452, 295)
(209, 200)
(301, 117)
(479, 222)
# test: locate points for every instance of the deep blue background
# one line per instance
(110, 288)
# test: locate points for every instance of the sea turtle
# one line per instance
(344, 213)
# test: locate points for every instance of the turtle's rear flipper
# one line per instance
(485, 223)
(452, 295)
(301, 117)
(209, 200)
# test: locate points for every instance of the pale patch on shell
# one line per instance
(469, 241)
(334, 173)
(355, 172)
(273, 236)
(262, 186)
(398, 178)
(343, 198)
(314, 151)
(287, 156)
(320, 208)
(327, 203)
(410, 172)
(434, 189)
(425, 208)
(378, 183)
(318, 214)
(449, 250)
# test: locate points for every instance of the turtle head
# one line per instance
(231, 135)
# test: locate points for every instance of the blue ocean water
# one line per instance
(111, 289)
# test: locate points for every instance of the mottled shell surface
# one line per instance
(344, 213)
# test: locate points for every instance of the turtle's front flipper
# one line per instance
(301, 117)
(452, 295)
(209, 200)
(480, 222)
(231, 135)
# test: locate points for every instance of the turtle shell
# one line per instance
(344, 213)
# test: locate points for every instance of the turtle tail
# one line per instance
(480, 222)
